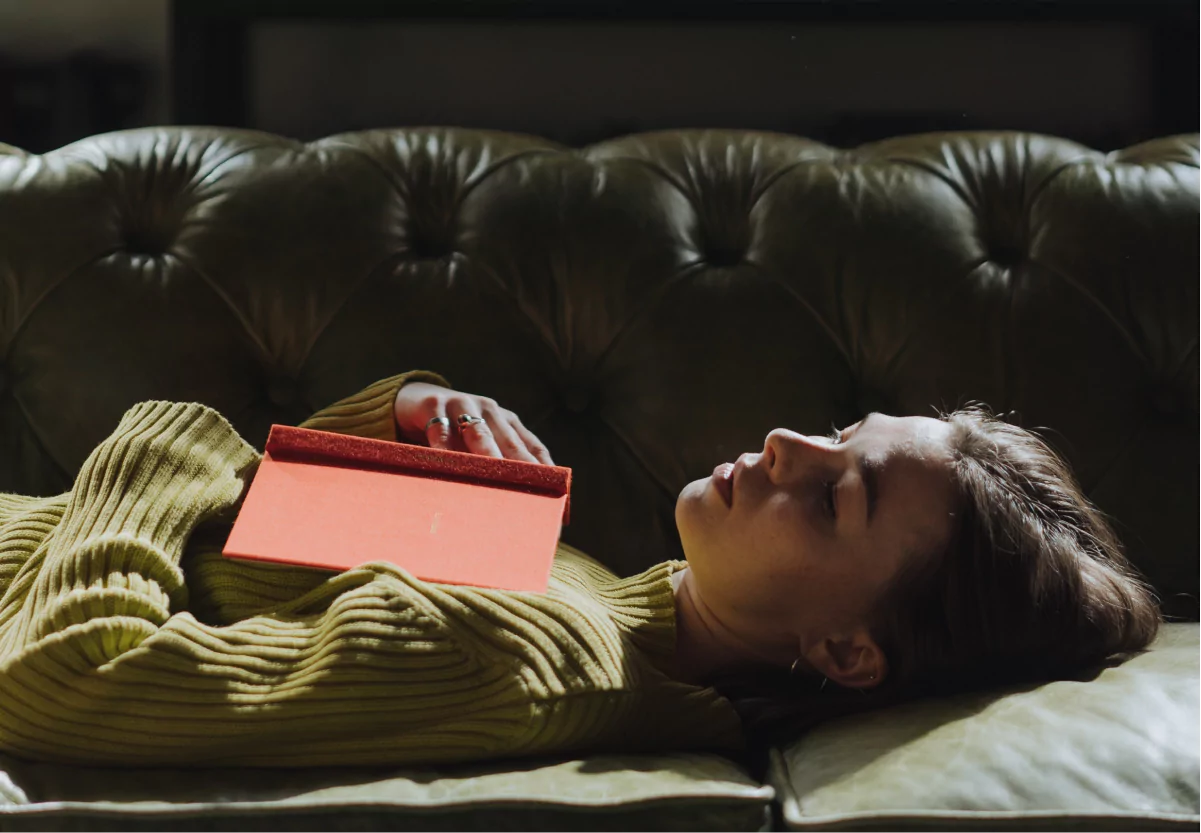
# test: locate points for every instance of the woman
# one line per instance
(896, 557)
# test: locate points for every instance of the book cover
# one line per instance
(336, 502)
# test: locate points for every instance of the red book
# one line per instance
(333, 501)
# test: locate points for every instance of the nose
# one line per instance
(789, 452)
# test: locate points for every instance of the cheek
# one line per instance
(772, 583)
(844, 588)
(774, 571)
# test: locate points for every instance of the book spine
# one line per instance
(286, 442)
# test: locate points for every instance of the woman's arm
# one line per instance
(401, 408)
(371, 411)
(100, 663)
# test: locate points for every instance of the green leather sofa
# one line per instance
(650, 306)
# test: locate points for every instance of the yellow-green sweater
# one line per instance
(126, 638)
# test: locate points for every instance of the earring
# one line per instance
(792, 673)
(861, 691)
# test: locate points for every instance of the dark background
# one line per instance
(1107, 74)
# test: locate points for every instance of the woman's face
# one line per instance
(815, 527)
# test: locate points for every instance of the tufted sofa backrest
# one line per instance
(650, 306)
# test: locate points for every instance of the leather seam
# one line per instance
(38, 300)
(637, 457)
(684, 273)
(265, 354)
(1047, 181)
(1180, 365)
(1127, 336)
(969, 202)
(467, 186)
(528, 319)
(800, 299)
(63, 470)
(381, 265)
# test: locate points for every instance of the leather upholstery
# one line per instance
(651, 306)
(1072, 754)
(605, 792)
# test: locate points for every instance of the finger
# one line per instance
(507, 439)
(478, 438)
(454, 407)
(535, 445)
(439, 434)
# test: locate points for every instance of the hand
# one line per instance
(500, 435)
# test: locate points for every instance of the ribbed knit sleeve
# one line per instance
(369, 413)
(25, 523)
(106, 656)
(224, 591)
(98, 663)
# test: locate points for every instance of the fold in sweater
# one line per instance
(127, 638)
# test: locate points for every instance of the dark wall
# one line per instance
(71, 68)
(1107, 73)
(581, 81)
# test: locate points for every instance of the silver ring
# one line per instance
(443, 421)
(467, 420)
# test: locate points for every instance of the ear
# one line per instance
(853, 661)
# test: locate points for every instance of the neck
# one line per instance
(705, 648)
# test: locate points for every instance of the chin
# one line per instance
(691, 510)
(690, 496)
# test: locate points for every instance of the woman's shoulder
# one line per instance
(641, 606)
(569, 559)
(567, 556)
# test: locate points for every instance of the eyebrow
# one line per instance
(869, 472)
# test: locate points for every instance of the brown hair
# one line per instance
(1032, 586)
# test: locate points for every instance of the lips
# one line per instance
(723, 482)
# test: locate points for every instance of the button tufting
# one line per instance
(1006, 256)
(431, 240)
(577, 398)
(725, 232)
(282, 391)
(867, 401)
(725, 254)
(151, 237)
(726, 244)
(422, 249)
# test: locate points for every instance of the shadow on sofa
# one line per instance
(655, 302)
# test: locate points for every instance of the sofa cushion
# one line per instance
(667, 792)
(1116, 752)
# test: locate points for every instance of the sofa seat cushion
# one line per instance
(1119, 751)
(667, 792)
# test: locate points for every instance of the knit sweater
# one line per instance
(127, 638)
